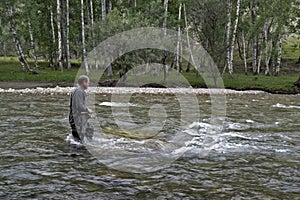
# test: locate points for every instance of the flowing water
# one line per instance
(257, 154)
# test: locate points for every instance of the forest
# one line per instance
(244, 37)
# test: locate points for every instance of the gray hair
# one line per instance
(83, 78)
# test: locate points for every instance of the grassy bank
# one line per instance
(10, 70)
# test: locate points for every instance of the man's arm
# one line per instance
(79, 100)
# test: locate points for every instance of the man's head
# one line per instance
(83, 81)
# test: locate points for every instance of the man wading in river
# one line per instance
(79, 112)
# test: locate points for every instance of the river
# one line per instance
(257, 154)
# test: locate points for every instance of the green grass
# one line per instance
(10, 70)
(291, 48)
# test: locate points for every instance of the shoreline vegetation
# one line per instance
(254, 43)
(12, 76)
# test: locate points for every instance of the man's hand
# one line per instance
(90, 111)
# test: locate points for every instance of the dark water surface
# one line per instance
(257, 155)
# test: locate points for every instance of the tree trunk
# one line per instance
(103, 10)
(108, 65)
(165, 16)
(228, 28)
(267, 58)
(84, 61)
(188, 42)
(259, 57)
(164, 62)
(110, 6)
(4, 49)
(244, 50)
(92, 14)
(254, 55)
(32, 42)
(230, 64)
(279, 55)
(178, 41)
(68, 57)
(166, 2)
(253, 7)
(53, 48)
(16, 40)
(59, 36)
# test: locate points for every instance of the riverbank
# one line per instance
(12, 76)
(22, 86)
(126, 90)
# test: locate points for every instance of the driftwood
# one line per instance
(114, 82)
(108, 83)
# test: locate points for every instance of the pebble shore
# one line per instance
(126, 90)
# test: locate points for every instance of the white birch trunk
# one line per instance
(165, 16)
(254, 39)
(32, 43)
(16, 40)
(244, 50)
(59, 37)
(254, 54)
(166, 2)
(52, 25)
(228, 28)
(85, 64)
(188, 38)
(68, 57)
(103, 9)
(92, 31)
(268, 56)
(178, 40)
(266, 49)
(92, 13)
(279, 55)
(230, 64)
(110, 6)
(53, 48)
(259, 58)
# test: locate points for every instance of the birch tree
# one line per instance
(269, 46)
(165, 16)
(16, 41)
(32, 43)
(228, 34)
(188, 39)
(53, 54)
(165, 33)
(277, 70)
(230, 64)
(84, 61)
(244, 48)
(59, 36)
(103, 9)
(253, 7)
(178, 47)
(67, 39)
(110, 6)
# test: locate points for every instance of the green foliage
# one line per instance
(207, 21)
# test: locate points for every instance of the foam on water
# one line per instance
(70, 140)
(117, 104)
(278, 105)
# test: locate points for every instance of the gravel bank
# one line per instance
(125, 90)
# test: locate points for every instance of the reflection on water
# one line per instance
(257, 155)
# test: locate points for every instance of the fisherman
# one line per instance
(79, 112)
